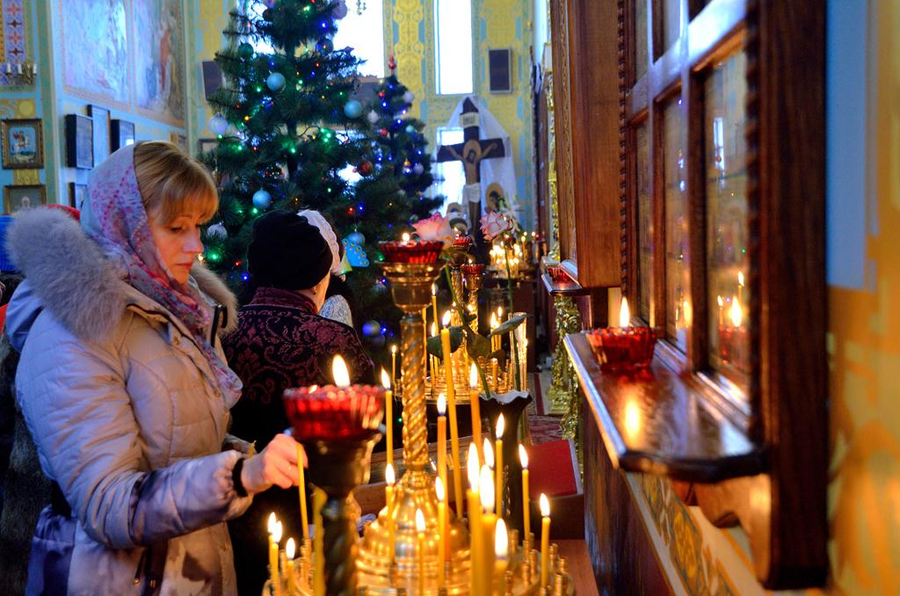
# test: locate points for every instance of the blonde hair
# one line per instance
(173, 183)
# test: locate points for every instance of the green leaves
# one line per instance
(510, 324)
(434, 343)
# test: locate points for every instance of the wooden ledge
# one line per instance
(662, 423)
(566, 288)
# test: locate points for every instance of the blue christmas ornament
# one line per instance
(325, 45)
(353, 109)
(356, 238)
(371, 328)
(218, 125)
(410, 129)
(355, 254)
(418, 169)
(275, 81)
(262, 199)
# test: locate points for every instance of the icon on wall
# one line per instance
(23, 143)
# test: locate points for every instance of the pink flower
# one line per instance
(493, 224)
(436, 227)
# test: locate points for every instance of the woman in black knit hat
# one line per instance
(282, 342)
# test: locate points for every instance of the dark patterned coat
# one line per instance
(280, 343)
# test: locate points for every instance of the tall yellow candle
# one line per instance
(389, 501)
(289, 552)
(498, 469)
(318, 544)
(475, 404)
(488, 523)
(442, 438)
(474, 513)
(442, 531)
(501, 553)
(433, 359)
(274, 539)
(454, 433)
(526, 507)
(393, 365)
(420, 549)
(495, 369)
(388, 417)
(448, 359)
(545, 540)
(495, 339)
(301, 489)
(434, 311)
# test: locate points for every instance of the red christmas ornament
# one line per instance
(383, 132)
(365, 168)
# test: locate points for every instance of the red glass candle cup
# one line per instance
(733, 346)
(471, 269)
(334, 413)
(422, 253)
(558, 274)
(623, 350)
(462, 242)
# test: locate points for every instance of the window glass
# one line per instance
(726, 212)
(678, 303)
(453, 46)
(640, 37)
(449, 175)
(365, 34)
(671, 24)
(645, 222)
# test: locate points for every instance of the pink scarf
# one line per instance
(114, 217)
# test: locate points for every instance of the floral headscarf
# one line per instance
(113, 216)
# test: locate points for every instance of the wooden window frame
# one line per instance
(776, 491)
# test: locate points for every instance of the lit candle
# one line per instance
(526, 511)
(405, 238)
(420, 528)
(442, 438)
(339, 372)
(318, 544)
(301, 489)
(389, 501)
(448, 360)
(737, 314)
(488, 524)
(434, 312)
(475, 406)
(274, 539)
(495, 339)
(501, 552)
(495, 373)
(442, 531)
(488, 451)
(289, 551)
(624, 314)
(454, 429)
(741, 286)
(393, 364)
(388, 417)
(474, 512)
(545, 540)
(721, 304)
(433, 359)
(498, 470)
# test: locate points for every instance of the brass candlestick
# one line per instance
(411, 290)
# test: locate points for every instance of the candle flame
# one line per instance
(624, 314)
(405, 237)
(720, 301)
(545, 505)
(494, 323)
(290, 549)
(276, 535)
(272, 521)
(500, 313)
(736, 313)
(501, 540)
(433, 290)
(445, 320)
(385, 379)
(488, 453)
(740, 278)
(486, 489)
(442, 404)
(439, 489)
(339, 372)
(420, 521)
(394, 349)
(389, 475)
(472, 465)
(501, 426)
(473, 377)
(523, 456)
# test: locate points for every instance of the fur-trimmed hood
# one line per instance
(67, 273)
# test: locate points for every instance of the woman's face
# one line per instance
(178, 242)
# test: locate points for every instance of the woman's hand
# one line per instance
(276, 464)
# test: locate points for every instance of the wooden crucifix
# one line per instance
(471, 152)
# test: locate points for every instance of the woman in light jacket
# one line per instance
(124, 387)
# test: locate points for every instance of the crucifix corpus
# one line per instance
(471, 152)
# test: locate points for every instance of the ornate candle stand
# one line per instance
(411, 290)
(338, 429)
(474, 277)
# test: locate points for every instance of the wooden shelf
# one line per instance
(661, 423)
(567, 288)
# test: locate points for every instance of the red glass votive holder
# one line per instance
(733, 346)
(472, 269)
(421, 253)
(558, 274)
(623, 349)
(331, 413)
(463, 242)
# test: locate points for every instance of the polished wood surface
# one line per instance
(563, 288)
(576, 553)
(660, 422)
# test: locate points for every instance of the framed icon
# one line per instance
(79, 142)
(23, 143)
(18, 197)
(121, 133)
(100, 116)
(77, 194)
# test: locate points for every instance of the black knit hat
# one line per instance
(287, 252)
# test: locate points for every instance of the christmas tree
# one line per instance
(282, 123)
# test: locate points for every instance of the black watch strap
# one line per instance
(236, 477)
